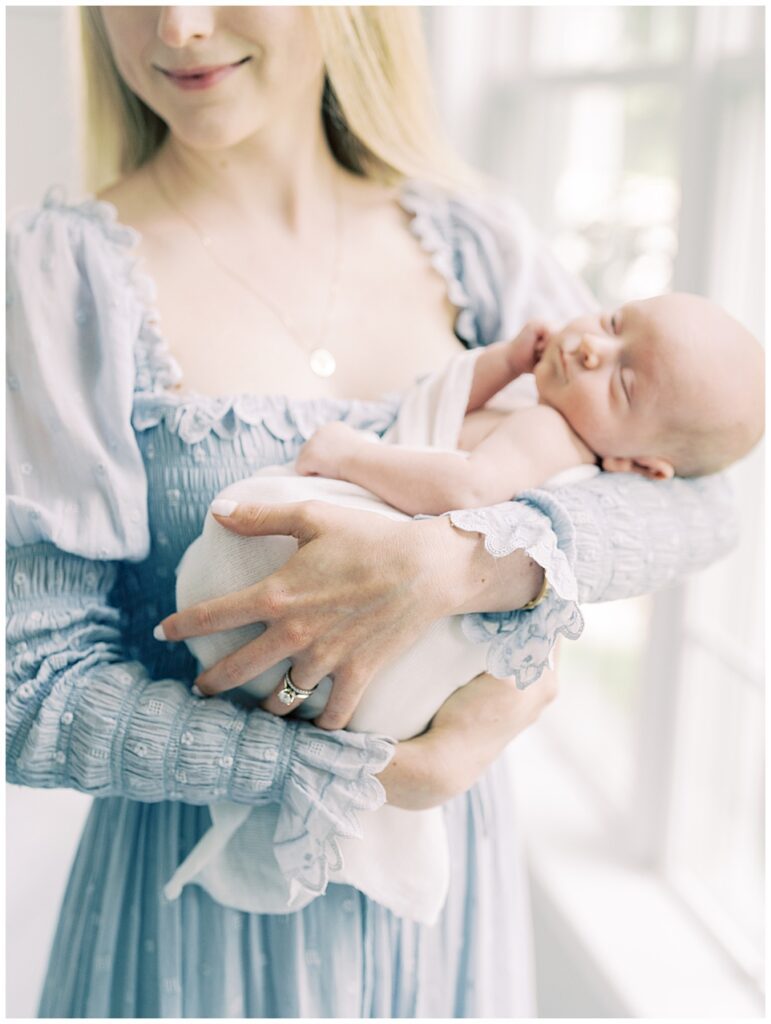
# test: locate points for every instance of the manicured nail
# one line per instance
(195, 691)
(223, 507)
(158, 633)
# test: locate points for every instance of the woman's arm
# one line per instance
(362, 588)
(81, 715)
(467, 734)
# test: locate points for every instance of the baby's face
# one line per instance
(617, 377)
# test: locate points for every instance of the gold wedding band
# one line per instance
(539, 597)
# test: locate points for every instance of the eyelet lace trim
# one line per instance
(155, 366)
(312, 820)
(520, 642)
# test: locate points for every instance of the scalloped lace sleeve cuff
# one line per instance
(329, 779)
(520, 642)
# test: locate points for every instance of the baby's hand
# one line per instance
(526, 349)
(322, 455)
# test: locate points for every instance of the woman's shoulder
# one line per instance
(90, 216)
(498, 255)
(60, 243)
(472, 234)
(487, 210)
(138, 205)
(71, 285)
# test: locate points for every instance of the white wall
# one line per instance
(42, 826)
(42, 125)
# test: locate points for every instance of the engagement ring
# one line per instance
(289, 693)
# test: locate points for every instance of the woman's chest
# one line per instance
(386, 319)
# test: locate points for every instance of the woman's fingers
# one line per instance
(358, 591)
(298, 519)
(349, 685)
(273, 646)
(262, 602)
(307, 680)
(245, 664)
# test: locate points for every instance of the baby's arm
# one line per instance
(504, 361)
(523, 451)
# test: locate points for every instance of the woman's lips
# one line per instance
(202, 77)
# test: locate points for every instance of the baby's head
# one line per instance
(664, 386)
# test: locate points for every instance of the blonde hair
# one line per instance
(377, 108)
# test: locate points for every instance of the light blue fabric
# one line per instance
(104, 496)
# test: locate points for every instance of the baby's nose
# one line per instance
(589, 352)
(584, 347)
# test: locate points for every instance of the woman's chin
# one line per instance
(208, 130)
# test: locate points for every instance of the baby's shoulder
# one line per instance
(543, 426)
(543, 417)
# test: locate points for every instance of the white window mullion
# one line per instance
(648, 809)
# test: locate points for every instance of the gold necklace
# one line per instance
(320, 359)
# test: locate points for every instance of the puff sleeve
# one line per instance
(74, 471)
(80, 713)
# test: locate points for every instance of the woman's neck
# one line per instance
(266, 180)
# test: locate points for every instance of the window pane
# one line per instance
(594, 717)
(604, 182)
(716, 845)
(594, 38)
(725, 602)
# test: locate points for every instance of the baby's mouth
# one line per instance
(563, 363)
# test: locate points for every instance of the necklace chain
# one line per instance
(321, 360)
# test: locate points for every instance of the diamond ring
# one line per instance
(289, 693)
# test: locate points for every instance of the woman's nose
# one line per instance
(177, 26)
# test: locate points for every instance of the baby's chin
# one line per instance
(544, 381)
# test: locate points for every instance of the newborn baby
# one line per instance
(670, 385)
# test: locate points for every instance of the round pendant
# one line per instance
(322, 362)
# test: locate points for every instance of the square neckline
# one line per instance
(162, 373)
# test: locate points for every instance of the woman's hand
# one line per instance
(360, 590)
(467, 734)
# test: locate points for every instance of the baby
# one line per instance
(669, 385)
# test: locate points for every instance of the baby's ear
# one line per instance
(646, 465)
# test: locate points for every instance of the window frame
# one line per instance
(705, 77)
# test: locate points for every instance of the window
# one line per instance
(634, 138)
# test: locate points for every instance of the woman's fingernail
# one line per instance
(223, 507)
(158, 633)
(195, 691)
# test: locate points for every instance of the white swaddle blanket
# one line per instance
(402, 857)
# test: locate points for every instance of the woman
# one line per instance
(283, 246)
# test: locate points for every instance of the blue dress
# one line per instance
(110, 476)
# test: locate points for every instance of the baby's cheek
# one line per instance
(582, 409)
